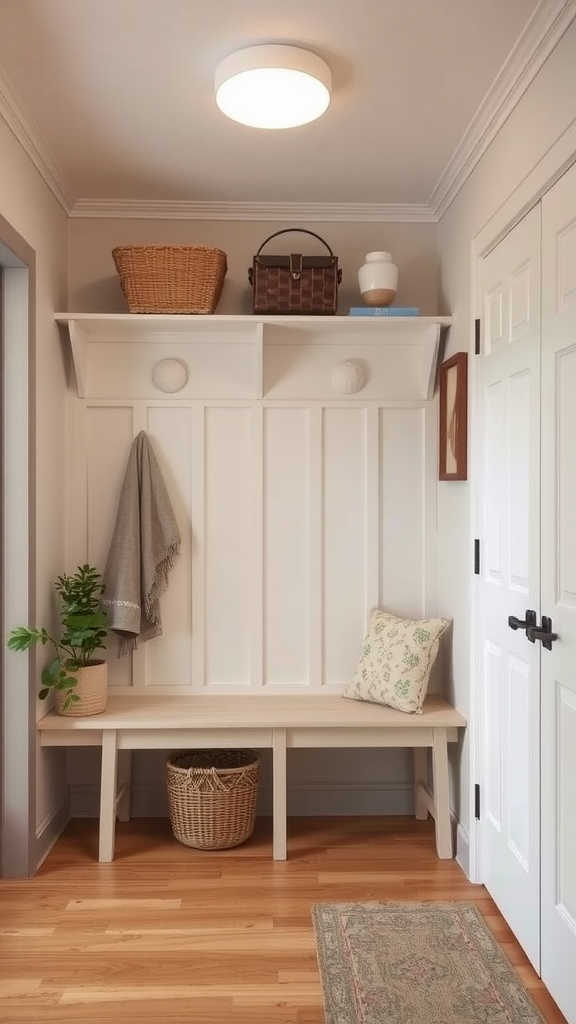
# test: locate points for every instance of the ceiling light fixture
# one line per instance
(273, 86)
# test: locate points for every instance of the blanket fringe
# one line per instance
(128, 644)
(160, 581)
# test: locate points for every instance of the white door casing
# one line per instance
(558, 582)
(508, 665)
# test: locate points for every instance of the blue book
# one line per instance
(384, 311)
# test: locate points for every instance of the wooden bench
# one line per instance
(267, 721)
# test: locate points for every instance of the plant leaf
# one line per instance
(67, 683)
(22, 638)
(52, 673)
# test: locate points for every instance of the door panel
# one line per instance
(559, 592)
(509, 393)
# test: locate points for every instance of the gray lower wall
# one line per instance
(356, 782)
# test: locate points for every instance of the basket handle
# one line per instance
(285, 231)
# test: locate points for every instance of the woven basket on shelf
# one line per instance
(170, 278)
(212, 796)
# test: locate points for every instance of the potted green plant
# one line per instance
(78, 679)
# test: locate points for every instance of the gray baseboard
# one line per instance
(51, 827)
(463, 849)
(303, 798)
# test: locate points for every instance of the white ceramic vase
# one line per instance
(378, 279)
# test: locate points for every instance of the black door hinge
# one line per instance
(477, 801)
(476, 337)
(476, 557)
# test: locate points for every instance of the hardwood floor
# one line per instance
(167, 935)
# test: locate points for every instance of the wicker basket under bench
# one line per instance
(276, 722)
(212, 796)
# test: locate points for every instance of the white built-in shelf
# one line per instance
(253, 357)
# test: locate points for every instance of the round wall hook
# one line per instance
(348, 377)
(170, 375)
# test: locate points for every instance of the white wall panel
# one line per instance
(108, 438)
(401, 475)
(296, 519)
(303, 371)
(286, 539)
(231, 375)
(344, 546)
(168, 657)
(227, 549)
(293, 517)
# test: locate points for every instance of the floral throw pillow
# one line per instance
(397, 657)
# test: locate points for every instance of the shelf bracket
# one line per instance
(433, 338)
(79, 348)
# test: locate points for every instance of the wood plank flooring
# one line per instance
(167, 935)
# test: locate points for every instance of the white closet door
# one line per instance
(559, 592)
(508, 665)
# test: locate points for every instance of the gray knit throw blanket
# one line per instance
(144, 545)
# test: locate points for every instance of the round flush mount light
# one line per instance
(273, 86)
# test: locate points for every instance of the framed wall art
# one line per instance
(453, 418)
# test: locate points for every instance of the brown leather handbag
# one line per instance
(295, 284)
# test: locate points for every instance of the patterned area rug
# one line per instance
(415, 963)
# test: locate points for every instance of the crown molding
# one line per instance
(543, 31)
(548, 23)
(302, 212)
(32, 142)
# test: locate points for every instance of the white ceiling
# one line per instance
(114, 98)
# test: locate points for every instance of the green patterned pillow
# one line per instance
(397, 657)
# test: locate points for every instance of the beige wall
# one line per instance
(29, 206)
(94, 285)
(32, 211)
(545, 111)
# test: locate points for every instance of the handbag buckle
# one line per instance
(295, 265)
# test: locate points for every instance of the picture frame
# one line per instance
(453, 448)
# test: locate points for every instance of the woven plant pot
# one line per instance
(91, 688)
(212, 796)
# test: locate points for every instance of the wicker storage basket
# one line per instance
(170, 278)
(212, 796)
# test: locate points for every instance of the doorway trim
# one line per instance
(17, 686)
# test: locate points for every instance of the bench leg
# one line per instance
(108, 796)
(420, 758)
(125, 784)
(279, 794)
(441, 795)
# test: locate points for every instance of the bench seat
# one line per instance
(275, 721)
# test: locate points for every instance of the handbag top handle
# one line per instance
(285, 231)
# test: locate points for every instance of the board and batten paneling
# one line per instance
(296, 518)
(300, 509)
(289, 533)
(225, 546)
(402, 510)
(345, 548)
